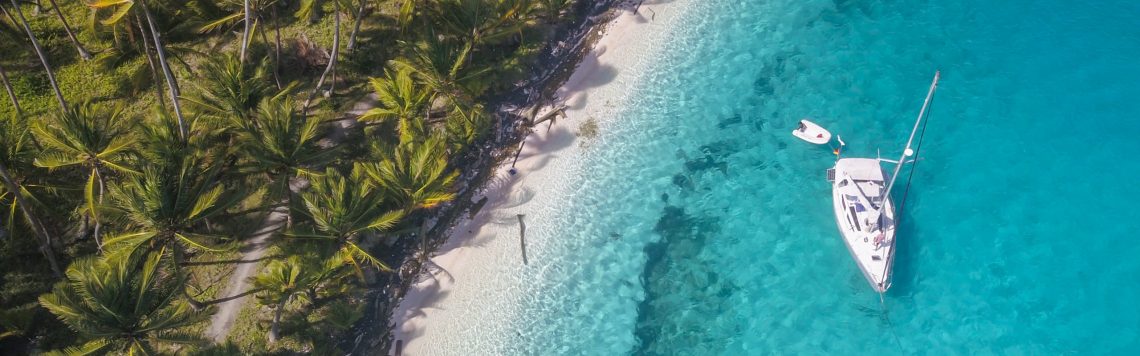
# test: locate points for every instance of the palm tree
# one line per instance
(307, 277)
(415, 174)
(120, 9)
(479, 21)
(67, 28)
(249, 12)
(282, 144)
(97, 140)
(15, 151)
(307, 7)
(280, 283)
(406, 15)
(228, 89)
(345, 209)
(357, 20)
(245, 30)
(552, 9)
(402, 98)
(39, 50)
(440, 65)
(8, 88)
(123, 303)
(168, 204)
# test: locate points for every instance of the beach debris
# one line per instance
(588, 129)
(551, 115)
(475, 208)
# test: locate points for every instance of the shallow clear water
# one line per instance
(703, 227)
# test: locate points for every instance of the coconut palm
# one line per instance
(442, 66)
(15, 153)
(402, 98)
(23, 22)
(282, 144)
(466, 125)
(344, 211)
(168, 204)
(307, 8)
(480, 21)
(8, 88)
(120, 8)
(415, 174)
(249, 12)
(130, 37)
(124, 303)
(97, 140)
(357, 20)
(406, 14)
(280, 283)
(228, 89)
(552, 9)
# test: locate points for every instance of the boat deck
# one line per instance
(859, 197)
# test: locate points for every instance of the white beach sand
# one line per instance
(462, 308)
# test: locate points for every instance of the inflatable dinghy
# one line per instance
(810, 132)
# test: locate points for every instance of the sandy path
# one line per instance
(252, 253)
(254, 250)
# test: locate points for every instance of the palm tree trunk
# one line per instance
(180, 270)
(150, 62)
(276, 48)
(332, 60)
(39, 53)
(170, 83)
(288, 201)
(265, 39)
(275, 327)
(99, 225)
(245, 32)
(67, 28)
(356, 27)
(8, 88)
(36, 225)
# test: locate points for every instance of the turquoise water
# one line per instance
(704, 228)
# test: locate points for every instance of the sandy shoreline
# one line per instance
(465, 285)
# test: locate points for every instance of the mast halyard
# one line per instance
(884, 284)
(907, 151)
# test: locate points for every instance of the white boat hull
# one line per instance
(866, 218)
(810, 132)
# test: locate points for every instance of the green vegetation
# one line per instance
(146, 141)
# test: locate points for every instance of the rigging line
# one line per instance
(890, 325)
(914, 166)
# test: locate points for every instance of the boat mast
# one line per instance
(906, 150)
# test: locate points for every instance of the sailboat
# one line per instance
(861, 195)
